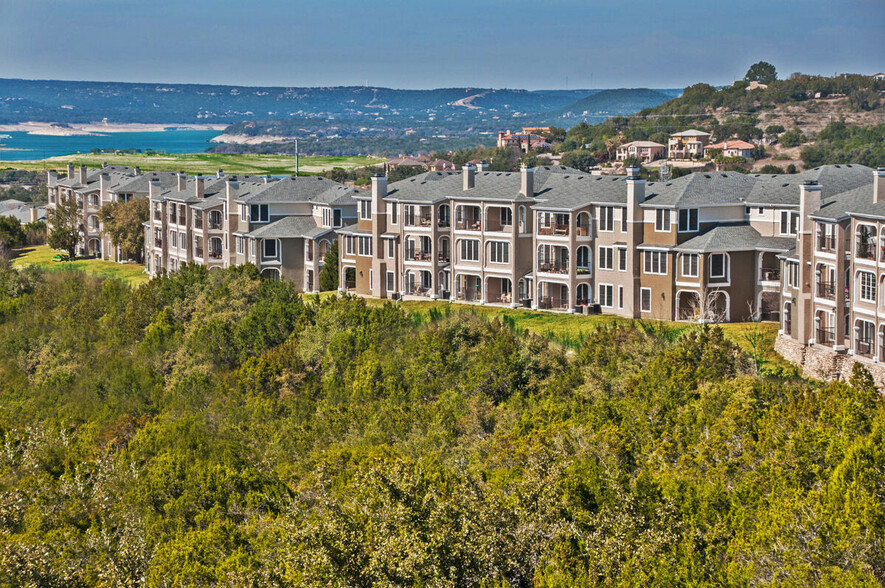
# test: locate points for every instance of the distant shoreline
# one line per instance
(250, 140)
(100, 128)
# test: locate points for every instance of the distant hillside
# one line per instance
(614, 102)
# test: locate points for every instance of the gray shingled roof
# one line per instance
(301, 189)
(705, 188)
(735, 238)
(290, 227)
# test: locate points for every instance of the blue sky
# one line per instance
(419, 44)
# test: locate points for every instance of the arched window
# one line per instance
(215, 219)
(583, 258)
(583, 226)
(523, 228)
(444, 217)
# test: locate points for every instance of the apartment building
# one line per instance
(92, 190)
(284, 227)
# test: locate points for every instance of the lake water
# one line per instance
(27, 146)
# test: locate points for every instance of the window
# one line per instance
(390, 286)
(499, 252)
(793, 274)
(365, 210)
(270, 249)
(506, 217)
(761, 211)
(364, 246)
(624, 219)
(182, 240)
(656, 262)
(469, 250)
(645, 299)
(371, 279)
(240, 246)
(606, 258)
(583, 258)
(606, 295)
(622, 259)
(867, 286)
(336, 217)
(258, 213)
(690, 265)
(244, 212)
(688, 220)
(789, 222)
(620, 297)
(327, 217)
(606, 219)
(391, 248)
(718, 265)
(393, 209)
(662, 220)
(173, 238)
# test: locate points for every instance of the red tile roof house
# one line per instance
(525, 142)
(644, 150)
(736, 148)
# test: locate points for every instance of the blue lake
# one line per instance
(21, 146)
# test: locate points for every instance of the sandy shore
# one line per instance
(100, 128)
(247, 140)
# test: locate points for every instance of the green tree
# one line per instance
(123, 222)
(67, 224)
(762, 72)
(770, 169)
(579, 159)
(329, 273)
(11, 232)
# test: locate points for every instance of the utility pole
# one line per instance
(296, 158)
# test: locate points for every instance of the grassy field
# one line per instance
(41, 256)
(199, 163)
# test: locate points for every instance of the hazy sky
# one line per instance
(418, 44)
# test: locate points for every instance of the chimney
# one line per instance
(104, 183)
(809, 203)
(70, 171)
(268, 179)
(483, 166)
(154, 188)
(82, 174)
(33, 214)
(879, 185)
(198, 187)
(379, 192)
(635, 193)
(528, 181)
(104, 164)
(138, 171)
(469, 176)
(220, 173)
(182, 181)
(51, 178)
(231, 190)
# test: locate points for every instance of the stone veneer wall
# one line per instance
(823, 363)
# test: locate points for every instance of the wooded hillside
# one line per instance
(211, 428)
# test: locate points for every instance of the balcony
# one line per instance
(214, 225)
(826, 290)
(158, 216)
(198, 222)
(553, 303)
(422, 220)
(866, 250)
(553, 267)
(469, 225)
(825, 337)
(826, 243)
(418, 255)
(444, 257)
(443, 223)
(158, 243)
(215, 254)
(771, 274)
(864, 347)
(555, 230)
(582, 231)
(182, 220)
(198, 252)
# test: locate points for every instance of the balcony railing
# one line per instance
(418, 255)
(350, 284)
(469, 225)
(553, 303)
(826, 243)
(864, 347)
(158, 216)
(418, 221)
(443, 223)
(198, 222)
(866, 250)
(468, 295)
(771, 274)
(198, 252)
(558, 230)
(444, 257)
(215, 253)
(214, 225)
(553, 267)
(825, 336)
(182, 220)
(582, 231)
(158, 242)
(826, 290)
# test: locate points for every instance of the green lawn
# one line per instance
(200, 163)
(41, 256)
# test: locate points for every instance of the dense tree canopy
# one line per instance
(123, 224)
(762, 72)
(213, 428)
(66, 221)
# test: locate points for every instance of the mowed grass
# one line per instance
(201, 163)
(41, 257)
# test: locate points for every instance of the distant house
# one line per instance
(687, 144)
(25, 212)
(735, 148)
(879, 76)
(440, 165)
(645, 150)
(396, 162)
(525, 142)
